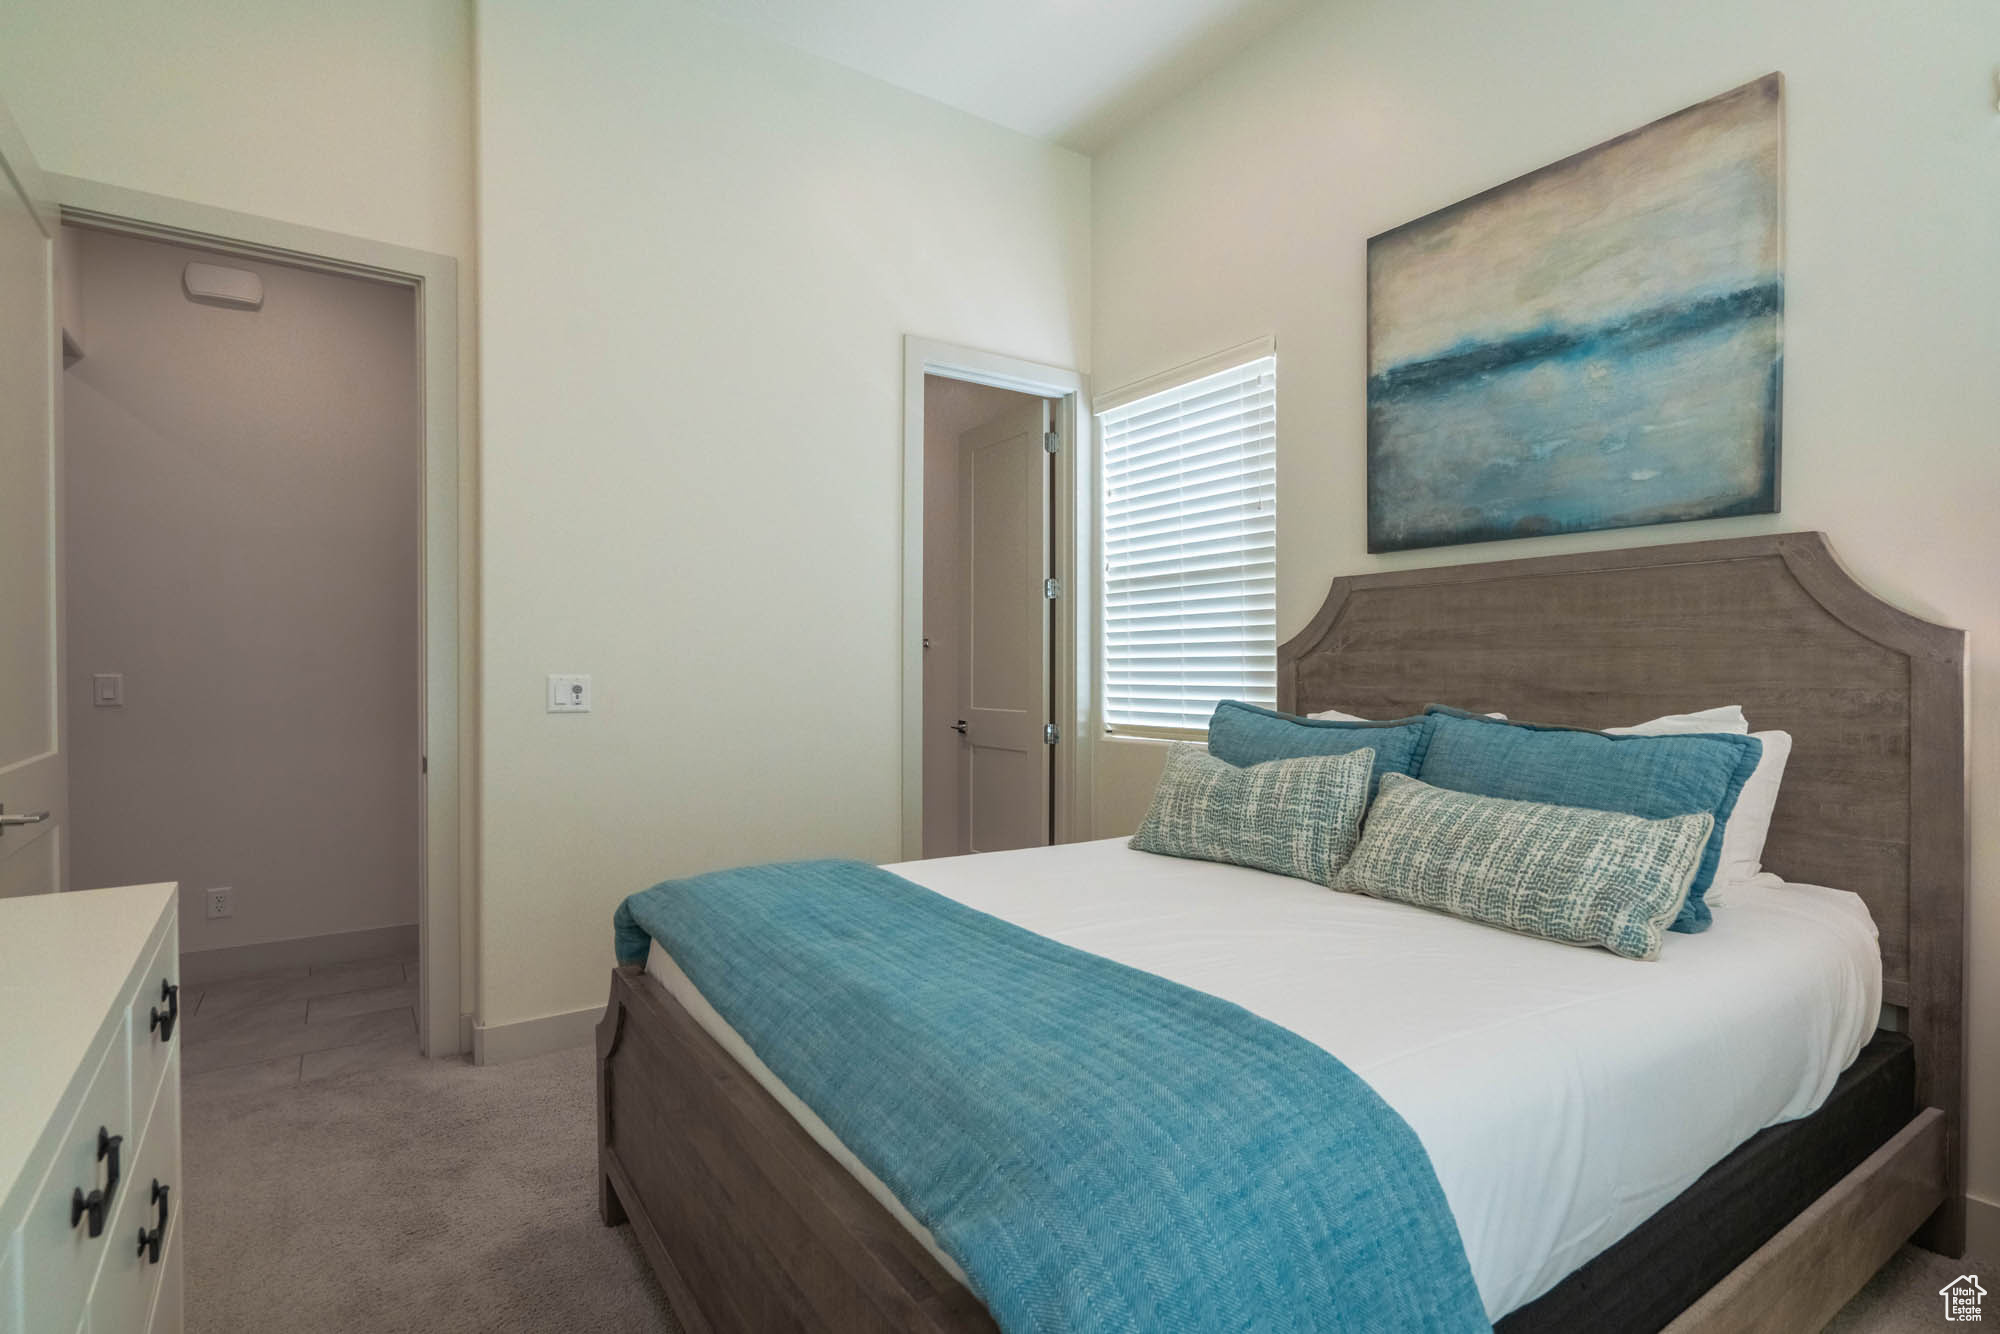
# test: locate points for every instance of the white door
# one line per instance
(1004, 513)
(33, 776)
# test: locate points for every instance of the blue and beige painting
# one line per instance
(1597, 344)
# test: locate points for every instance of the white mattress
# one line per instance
(1563, 1094)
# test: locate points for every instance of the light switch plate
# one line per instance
(107, 690)
(569, 694)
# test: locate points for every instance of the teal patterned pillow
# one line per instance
(1298, 817)
(1582, 877)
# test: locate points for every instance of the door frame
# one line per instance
(445, 787)
(21, 173)
(1069, 626)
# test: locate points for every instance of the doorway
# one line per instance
(987, 659)
(994, 753)
(436, 787)
(34, 783)
(243, 521)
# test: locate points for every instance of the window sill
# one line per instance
(1156, 734)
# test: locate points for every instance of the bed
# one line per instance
(1745, 1180)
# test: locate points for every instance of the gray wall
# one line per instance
(243, 521)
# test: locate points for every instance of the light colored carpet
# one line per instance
(1903, 1298)
(423, 1196)
(447, 1198)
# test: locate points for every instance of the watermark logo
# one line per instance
(1961, 1297)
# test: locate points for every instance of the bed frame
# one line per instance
(752, 1226)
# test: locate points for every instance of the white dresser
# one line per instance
(90, 1111)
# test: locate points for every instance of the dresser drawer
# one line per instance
(167, 1301)
(123, 1298)
(10, 1281)
(156, 992)
(58, 1260)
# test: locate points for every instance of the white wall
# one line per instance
(242, 526)
(703, 251)
(1243, 209)
(355, 116)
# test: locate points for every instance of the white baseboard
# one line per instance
(1982, 1232)
(493, 1044)
(201, 967)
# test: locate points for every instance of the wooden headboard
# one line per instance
(1874, 796)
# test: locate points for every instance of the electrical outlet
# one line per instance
(569, 694)
(221, 902)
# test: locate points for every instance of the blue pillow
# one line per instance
(1244, 734)
(1650, 776)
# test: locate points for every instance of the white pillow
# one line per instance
(1336, 716)
(1749, 825)
(1728, 718)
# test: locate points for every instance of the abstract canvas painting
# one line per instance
(1596, 344)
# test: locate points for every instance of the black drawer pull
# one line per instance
(98, 1203)
(164, 1023)
(91, 1205)
(150, 1241)
(107, 1147)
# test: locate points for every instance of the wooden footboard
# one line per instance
(749, 1224)
(1797, 1280)
(752, 1226)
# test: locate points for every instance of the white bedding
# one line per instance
(1563, 1094)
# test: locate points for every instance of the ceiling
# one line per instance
(1071, 71)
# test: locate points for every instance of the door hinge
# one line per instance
(1051, 441)
(1049, 734)
(1051, 588)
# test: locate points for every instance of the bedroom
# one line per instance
(688, 255)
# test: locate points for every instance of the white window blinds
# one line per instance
(1190, 549)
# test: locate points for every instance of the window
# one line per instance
(1190, 548)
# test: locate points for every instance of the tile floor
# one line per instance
(292, 1027)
